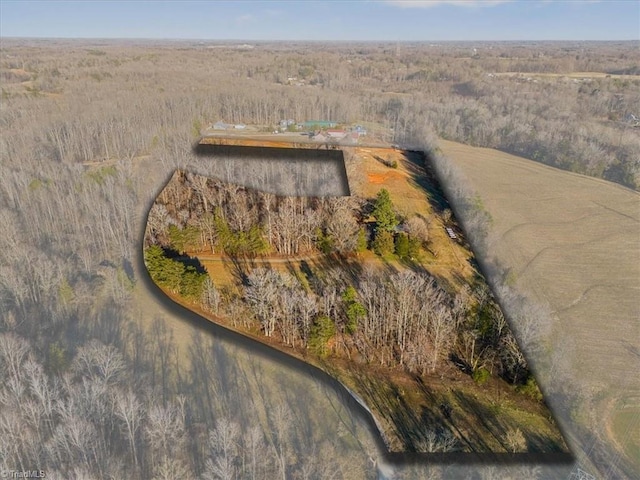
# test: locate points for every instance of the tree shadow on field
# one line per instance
(351, 266)
(108, 323)
(486, 419)
(184, 259)
(422, 174)
(492, 420)
(410, 424)
(305, 269)
(441, 414)
(241, 267)
(542, 443)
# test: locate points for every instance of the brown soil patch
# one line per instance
(267, 141)
(248, 142)
(379, 179)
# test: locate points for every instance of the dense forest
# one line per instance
(523, 99)
(403, 319)
(87, 130)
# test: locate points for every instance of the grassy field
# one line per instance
(572, 75)
(411, 191)
(573, 243)
(625, 420)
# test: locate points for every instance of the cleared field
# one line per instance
(571, 242)
(626, 420)
(576, 75)
(411, 192)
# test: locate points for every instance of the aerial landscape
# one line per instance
(381, 292)
(251, 251)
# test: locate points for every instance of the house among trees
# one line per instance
(336, 134)
(351, 138)
(336, 137)
(298, 82)
(220, 125)
(319, 137)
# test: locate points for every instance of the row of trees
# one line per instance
(194, 213)
(175, 274)
(400, 320)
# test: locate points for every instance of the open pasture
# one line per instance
(572, 243)
(572, 75)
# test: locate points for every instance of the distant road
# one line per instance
(217, 257)
(289, 138)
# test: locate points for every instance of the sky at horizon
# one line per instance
(392, 20)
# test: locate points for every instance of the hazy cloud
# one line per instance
(435, 3)
(272, 13)
(244, 19)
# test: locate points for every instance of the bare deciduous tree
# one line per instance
(130, 411)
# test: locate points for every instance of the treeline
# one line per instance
(402, 320)
(178, 277)
(194, 213)
(557, 129)
(582, 125)
(87, 392)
